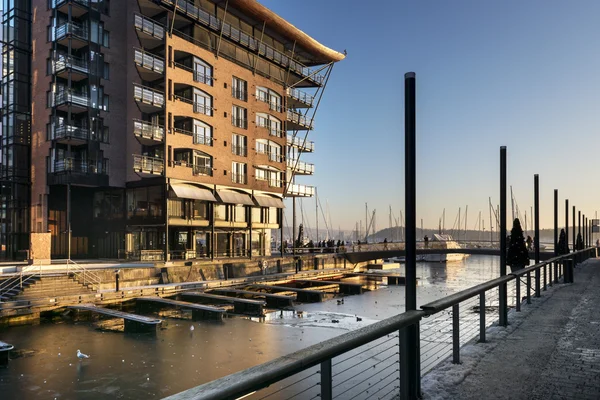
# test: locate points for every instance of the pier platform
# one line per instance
(273, 300)
(549, 352)
(302, 295)
(240, 306)
(133, 322)
(199, 311)
(345, 287)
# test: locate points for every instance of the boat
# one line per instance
(443, 241)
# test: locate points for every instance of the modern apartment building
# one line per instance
(152, 129)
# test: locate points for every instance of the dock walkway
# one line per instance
(199, 311)
(552, 352)
(133, 322)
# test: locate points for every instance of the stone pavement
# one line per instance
(552, 353)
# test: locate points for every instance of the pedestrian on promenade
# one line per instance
(529, 241)
(426, 240)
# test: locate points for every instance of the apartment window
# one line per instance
(239, 117)
(270, 97)
(203, 72)
(268, 174)
(270, 122)
(202, 102)
(202, 163)
(270, 148)
(239, 88)
(202, 133)
(239, 145)
(238, 172)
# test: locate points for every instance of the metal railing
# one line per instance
(239, 122)
(70, 28)
(80, 166)
(240, 94)
(151, 165)
(299, 119)
(202, 170)
(301, 167)
(70, 96)
(301, 96)
(367, 361)
(306, 146)
(274, 102)
(148, 95)
(203, 109)
(274, 129)
(203, 78)
(61, 62)
(244, 39)
(301, 190)
(58, 3)
(149, 26)
(70, 131)
(148, 130)
(239, 178)
(274, 156)
(239, 150)
(149, 61)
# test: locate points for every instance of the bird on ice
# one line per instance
(192, 328)
(81, 356)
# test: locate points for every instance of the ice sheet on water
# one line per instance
(322, 319)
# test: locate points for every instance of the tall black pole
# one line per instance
(578, 223)
(555, 222)
(583, 230)
(536, 210)
(502, 289)
(567, 222)
(410, 386)
(574, 228)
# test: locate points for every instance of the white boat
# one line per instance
(444, 242)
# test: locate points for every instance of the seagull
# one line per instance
(192, 328)
(81, 356)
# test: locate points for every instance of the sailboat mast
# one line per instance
(317, 213)
(512, 203)
(491, 225)
(466, 215)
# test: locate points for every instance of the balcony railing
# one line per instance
(273, 130)
(58, 3)
(149, 165)
(299, 119)
(244, 39)
(69, 96)
(274, 156)
(239, 94)
(197, 138)
(200, 108)
(149, 96)
(300, 143)
(239, 122)
(148, 130)
(274, 102)
(70, 131)
(239, 150)
(149, 61)
(239, 178)
(301, 166)
(80, 166)
(202, 170)
(70, 28)
(63, 62)
(203, 78)
(301, 96)
(149, 27)
(301, 190)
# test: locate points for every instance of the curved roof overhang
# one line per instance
(321, 54)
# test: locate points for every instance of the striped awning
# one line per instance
(186, 191)
(229, 197)
(269, 201)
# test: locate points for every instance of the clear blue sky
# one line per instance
(524, 74)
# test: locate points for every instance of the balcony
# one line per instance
(239, 178)
(273, 156)
(150, 33)
(78, 102)
(197, 76)
(299, 99)
(148, 166)
(197, 138)
(295, 190)
(202, 170)
(197, 108)
(297, 121)
(309, 76)
(299, 143)
(149, 66)
(79, 173)
(272, 128)
(274, 102)
(80, 7)
(300, 167)
(78, 33)
(70, 134)
(148, 100)
(147, 133)
(63, 64)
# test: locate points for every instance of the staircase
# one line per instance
(47, 286)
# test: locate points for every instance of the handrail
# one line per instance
(260, 376)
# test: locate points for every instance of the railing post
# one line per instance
(551, 280)
(536, 210)
(529, 288)
(569, 270)
(502, 292)
(482, 317)
(455, 334)
(518, 292)
(326, 380)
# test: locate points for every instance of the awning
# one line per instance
(269, 201)
(185, 191)
(234, 198)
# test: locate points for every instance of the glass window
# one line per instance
(239, 88)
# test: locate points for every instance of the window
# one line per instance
(239, 89)
(238, 172)
(239, 145)
(239, 117)
(203, 72)
(272, 176)
(270, 148)
(270, 122)
(202, 133)
(202, 102)
(202, 163)
(269, 96)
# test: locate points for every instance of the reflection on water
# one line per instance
(176, 358)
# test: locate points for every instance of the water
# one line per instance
(131, 366)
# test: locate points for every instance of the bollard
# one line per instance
(482, 317)
(455, 335)
(569, 270)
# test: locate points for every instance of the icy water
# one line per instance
(128, 366)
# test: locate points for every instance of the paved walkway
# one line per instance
(551, 351)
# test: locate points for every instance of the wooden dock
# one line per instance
(133, 322)
(345, 287)
(273, 300)
(240, 305)
(199, 311)
(392, 279)
(302, 295)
